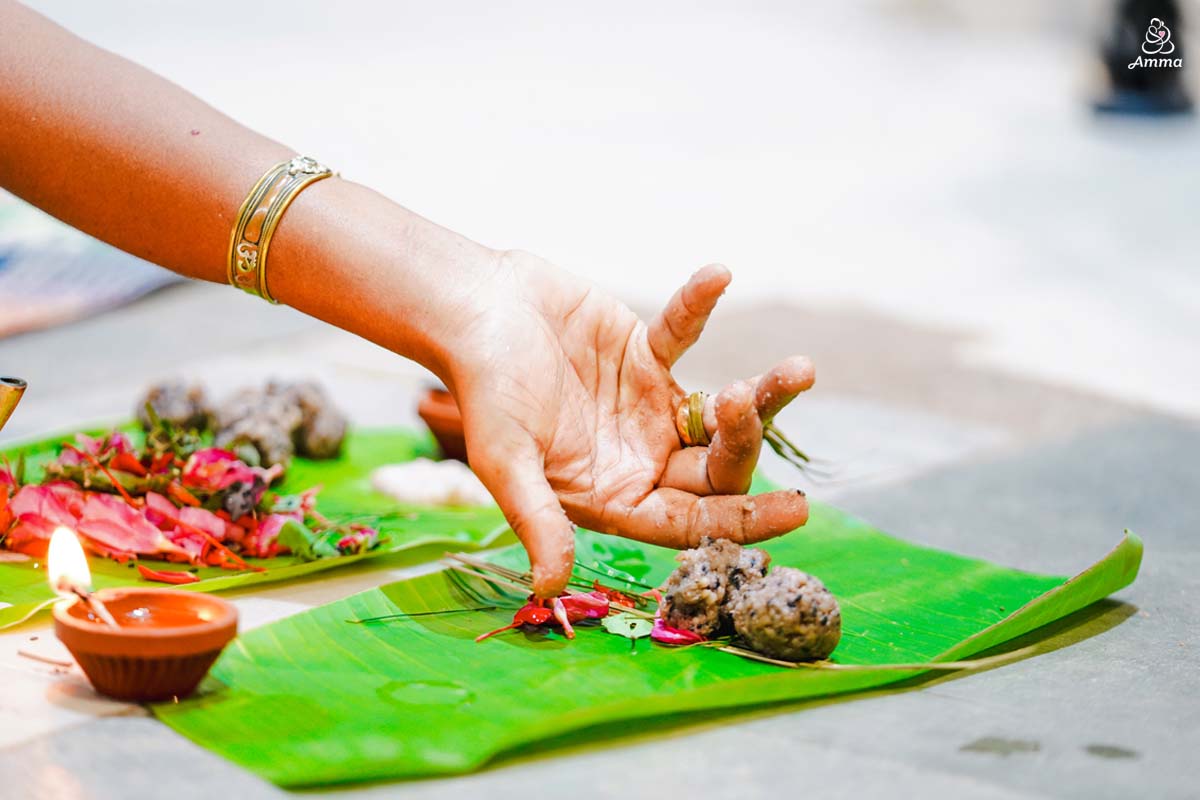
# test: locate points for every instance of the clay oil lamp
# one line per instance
(439, 411)
(133, 643)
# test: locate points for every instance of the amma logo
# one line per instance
(1158, 43)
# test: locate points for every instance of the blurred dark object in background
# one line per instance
(1145, 30)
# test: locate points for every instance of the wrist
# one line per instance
(351, 257)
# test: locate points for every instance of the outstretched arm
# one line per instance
(567, 397)
(129, 157)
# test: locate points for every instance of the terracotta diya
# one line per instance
(439, 411)
(133, 643)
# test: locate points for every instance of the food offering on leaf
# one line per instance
(788, 615)
(583, 601)
(721, 595)
(558, 612)
(699, 594)
(173, 498)
(721, 588)
(266, 426)
(184, 406)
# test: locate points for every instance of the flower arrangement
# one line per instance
(174, 499)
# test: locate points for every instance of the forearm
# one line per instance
(348, 255)
(134, 160)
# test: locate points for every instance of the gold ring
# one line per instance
(689, 420)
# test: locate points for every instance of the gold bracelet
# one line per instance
(260, 215)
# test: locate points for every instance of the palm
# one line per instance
(612, 424)
(575, 388)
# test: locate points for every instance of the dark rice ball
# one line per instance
(322, 427)
(699, 593)
(261, 419)
(184, 406)
(694, 594)
(788, 615)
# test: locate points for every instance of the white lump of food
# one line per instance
(422, 482)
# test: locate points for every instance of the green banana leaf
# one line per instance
(317, 699)
(413, 534)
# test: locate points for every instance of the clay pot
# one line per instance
(439, 411)
(166, 642)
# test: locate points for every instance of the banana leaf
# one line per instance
(413, 534)
(317, 699)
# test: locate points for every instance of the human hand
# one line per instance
(569, 404)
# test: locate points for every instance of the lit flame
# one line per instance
(66, 565)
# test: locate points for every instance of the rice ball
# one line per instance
(698, 594)
(788, 615)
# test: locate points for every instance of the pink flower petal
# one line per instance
(665, 634)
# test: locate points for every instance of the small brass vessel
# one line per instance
(11, 390)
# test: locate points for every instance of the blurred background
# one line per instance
(902, 189)
(910, 192)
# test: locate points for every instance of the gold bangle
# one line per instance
(259, 216)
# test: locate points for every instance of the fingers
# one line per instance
(679, 325)
(780, 386)
(727, 465)
(773, 390)
(687, 470)
(736, 445)
(673, 518)
(532, 509)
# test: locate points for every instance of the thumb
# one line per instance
(532, 509)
